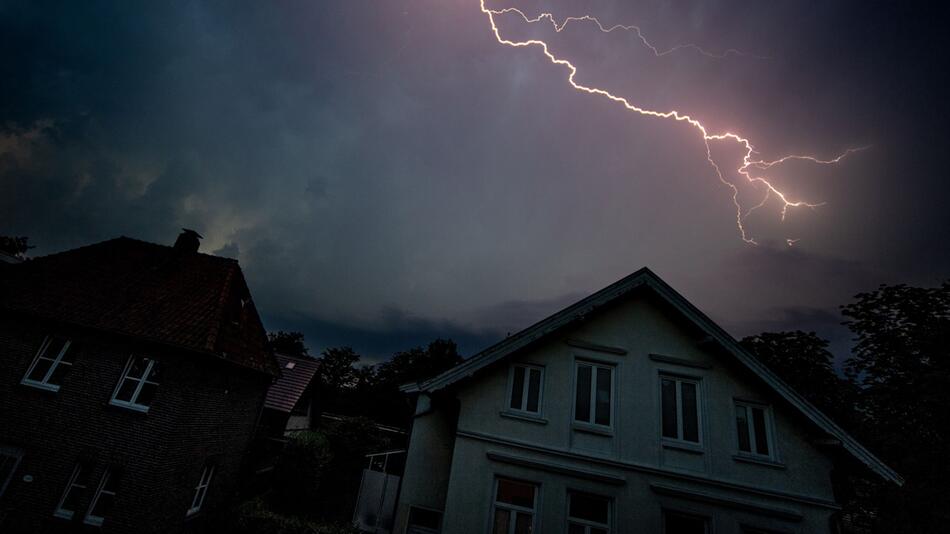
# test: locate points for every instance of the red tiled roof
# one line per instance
(295, 376)
(187, 299)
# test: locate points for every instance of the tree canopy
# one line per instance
(288, 343)
(803, 361)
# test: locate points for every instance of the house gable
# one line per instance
(646, 282)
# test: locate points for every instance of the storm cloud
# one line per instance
(386, 173)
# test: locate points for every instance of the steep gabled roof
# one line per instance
(295, 377)
(646, 279)
(129, 287)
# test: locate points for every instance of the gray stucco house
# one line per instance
(629, 411)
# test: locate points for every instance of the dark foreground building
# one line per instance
(132, 377)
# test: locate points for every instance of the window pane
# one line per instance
(126, 390)
(523, 523)
(517, 493)
(39, 370)
(57, 377)
(534, 390)
(138, 367)
(70, 353)
(589, 507)
(103, 505)
(582, 399)
(517, 388)
(75, 490)
(602, 411)
(668, 393)
(690, 412)
(742, 427)
(502, 517)
(761, 434)
(55, 347)
(684, 524)
(155, 374)
(147, 394)
(71, 503)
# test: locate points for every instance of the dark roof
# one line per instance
(295, 377)
(185, 299)
(645, 279)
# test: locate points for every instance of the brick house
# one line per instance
(132, 378)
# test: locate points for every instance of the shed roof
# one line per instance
(295, 377)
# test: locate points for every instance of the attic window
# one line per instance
(290, 365)
(754, 428)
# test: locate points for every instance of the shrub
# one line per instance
(254, 517)
(299, 472)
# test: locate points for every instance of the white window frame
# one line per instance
(57, 361)
(769, 429)
(132, 404)
(9, 454)
(96, 520)
(586, 523)
(201, 490)
(514, 509)
(594, 365)
(523, 407)
(72, 484)
(679, 380)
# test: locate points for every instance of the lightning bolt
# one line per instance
(558, 27)
(749, 163)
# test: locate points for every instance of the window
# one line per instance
(753, 428)
(593, 396)
(587, 514)
(678, 523)
(513, 512)
(138, 384)
(201, 489)
(75, 488)
(9, 459)
(680, 407)
(104, 498)
(526, 382)
(49, 366)
(424, 521)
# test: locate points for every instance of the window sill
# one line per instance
(63, 514)
(192, 515)
(94, 521)
(592, 429)
(691, 448)
(49, 388)
(129, 407)
(530, 418)
(758, 461)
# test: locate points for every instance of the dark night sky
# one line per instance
(386, 172)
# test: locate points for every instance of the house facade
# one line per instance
(132, 377)
(629, 411)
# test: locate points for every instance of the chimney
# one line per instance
(188, 241)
